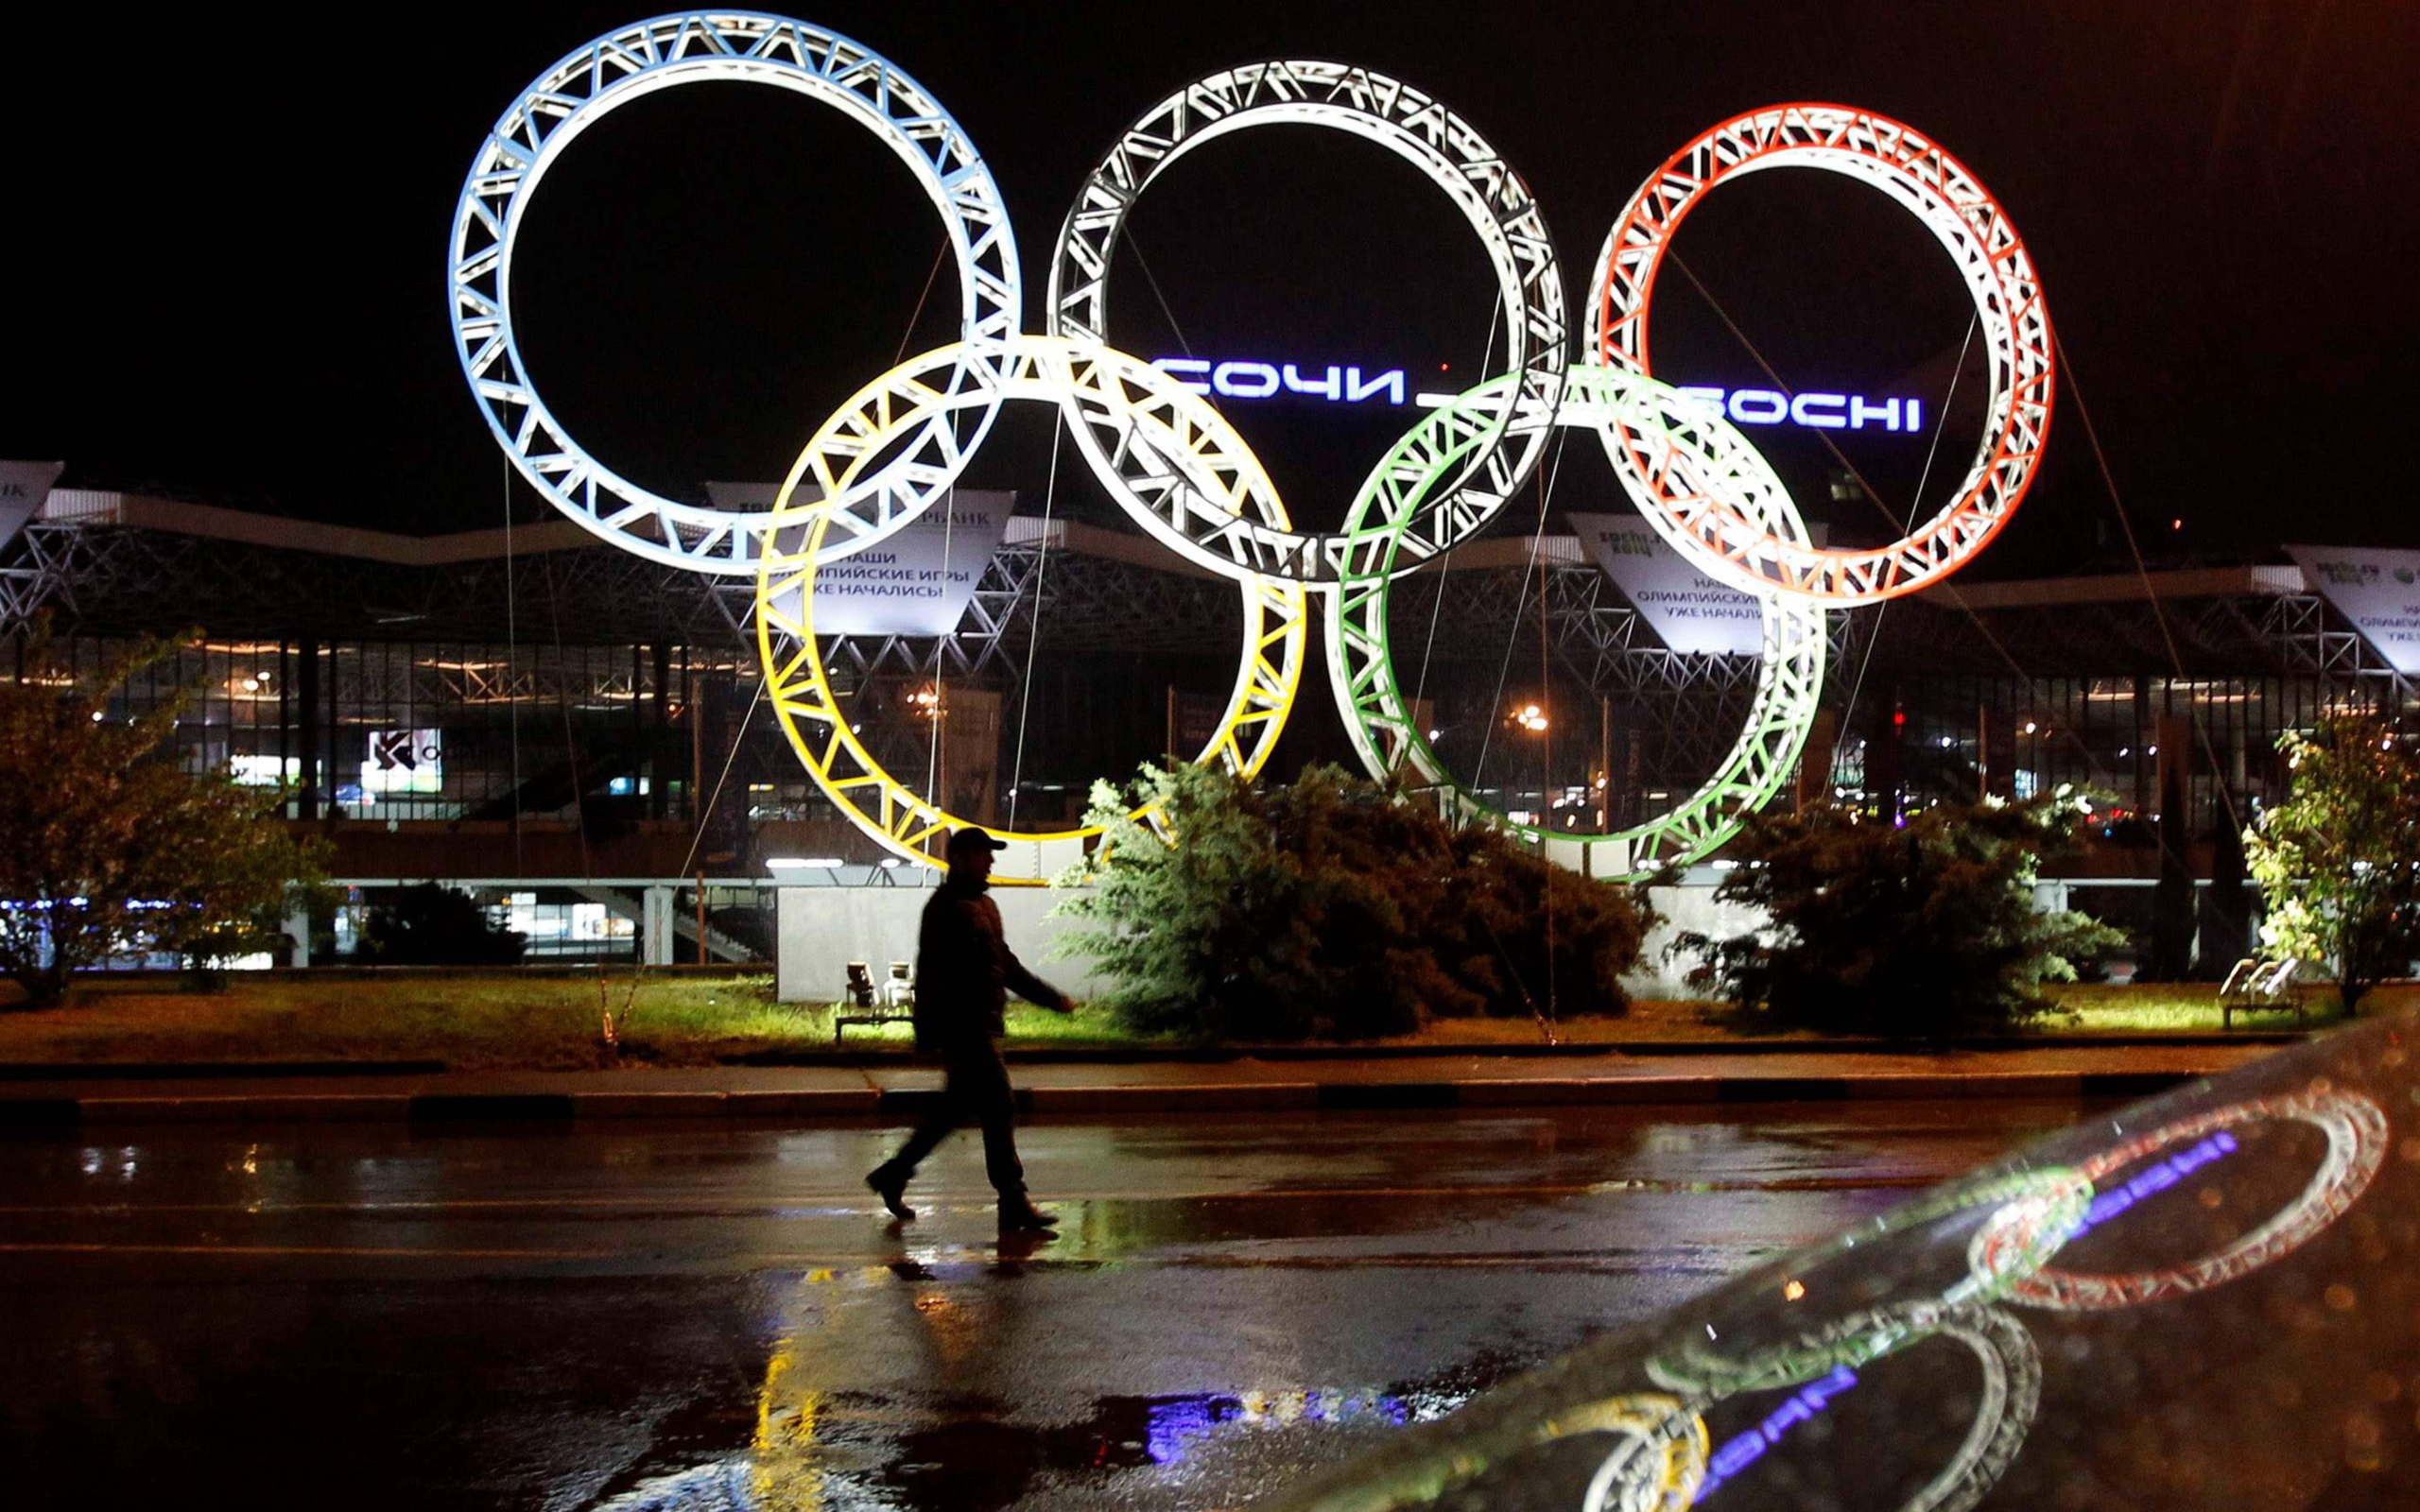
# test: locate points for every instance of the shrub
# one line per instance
(1332, 907)
(1926, 929)
(429, 925)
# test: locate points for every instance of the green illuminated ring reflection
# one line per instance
(1699, 456)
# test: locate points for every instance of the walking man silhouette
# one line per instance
(964, 971)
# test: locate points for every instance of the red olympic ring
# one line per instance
(2012, 319)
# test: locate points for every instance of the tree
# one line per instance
(2172, 899)
(1922, 929)
(108, 845)
(2226, 908)
(1333, 907)
(2337, 862)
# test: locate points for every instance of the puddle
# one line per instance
(837, 1450)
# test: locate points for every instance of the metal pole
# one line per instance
(701, 919)
(1605, 763)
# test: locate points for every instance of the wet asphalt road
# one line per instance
(703, 1315)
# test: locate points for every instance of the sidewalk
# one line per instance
(896, 1092)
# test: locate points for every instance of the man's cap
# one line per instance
(967, 837)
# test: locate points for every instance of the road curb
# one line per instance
(437, 1111)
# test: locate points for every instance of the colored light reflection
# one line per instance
(2157, 1178)
(1173, 1427)
(1744, 1450)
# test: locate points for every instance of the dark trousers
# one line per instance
(977, 1092)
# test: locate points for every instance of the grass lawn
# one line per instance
(470, 1022)
(508, 1020)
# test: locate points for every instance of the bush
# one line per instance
(1926, 930)
(1333, 908)
(429, 925)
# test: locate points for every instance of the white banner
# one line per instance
(919, 581)
(1686, 609)
(23, 486)
(2378, 591)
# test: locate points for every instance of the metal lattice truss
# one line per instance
(1637, 416)
(1510, 431)
(38, 571)
(1093, 605)
(696, 47)
(2011, 316)
(1172, 456)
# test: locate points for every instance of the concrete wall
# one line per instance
(1684, 909)
(824, 929)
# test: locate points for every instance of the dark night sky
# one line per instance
(228, 240)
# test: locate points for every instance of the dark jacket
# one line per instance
(965, 971)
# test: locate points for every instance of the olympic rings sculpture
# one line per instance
(1664, 1458)
(622, 66)
(1695, 455)
(2018, 346)
(1452, 154)
(898, 446)
(1161, 441)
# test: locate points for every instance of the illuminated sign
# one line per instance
(23, 487)
(1264, 380)
(1250, 378)
(404, 760)
(263, 771)
(2378, 591)
(1815, 411)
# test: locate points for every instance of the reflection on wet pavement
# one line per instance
(700, 1315)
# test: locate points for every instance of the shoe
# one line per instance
(889, 1186)
(1028, 1219)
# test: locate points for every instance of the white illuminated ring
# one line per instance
(2356, 1144)
(2011, 316)
(1457, 159)
(705, 47)
(1699, 456)
(1171, 451)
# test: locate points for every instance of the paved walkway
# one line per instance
(896, 1092)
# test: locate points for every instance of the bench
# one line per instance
(2259, 984)
(893, 1002)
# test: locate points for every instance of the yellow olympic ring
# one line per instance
(1160, 444)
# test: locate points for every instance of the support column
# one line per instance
(298, 929)
(307, 795)
(655, 926)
